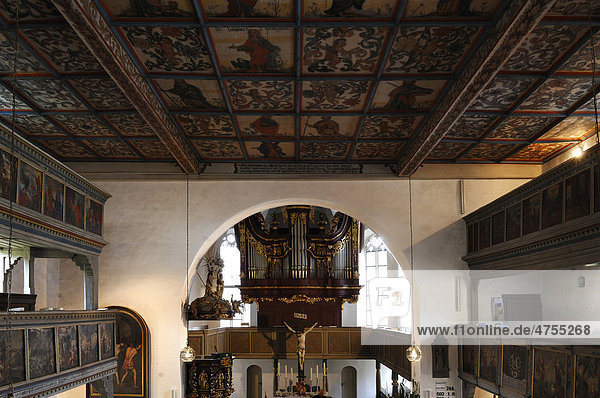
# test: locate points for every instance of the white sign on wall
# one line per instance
(442, 390)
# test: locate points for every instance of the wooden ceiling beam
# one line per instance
(92, 28)
(513, 26)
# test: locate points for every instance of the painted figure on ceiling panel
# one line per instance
(270, 149)
(191, 94)
(451, 8)
(367, 9)
(248, 8)
(407, 95)
(404, 96)
(342, 50)
(328, 126)
(266, 125)
(254, 50)
(150, 8)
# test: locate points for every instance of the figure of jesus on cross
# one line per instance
(301, 348)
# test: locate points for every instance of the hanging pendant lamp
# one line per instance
(187, 353)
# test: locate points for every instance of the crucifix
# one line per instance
(301, 348)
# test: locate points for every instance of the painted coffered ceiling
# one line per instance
(395, 82)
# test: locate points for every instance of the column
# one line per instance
(275, 375)
(104, 386)
(89, 265)
(325, 375)
(395, 392)
(377, 378)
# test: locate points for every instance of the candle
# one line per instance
(292, 378)
(317, 372)
(286, 371)
(324, 369)
(311, 375)
(278, 367)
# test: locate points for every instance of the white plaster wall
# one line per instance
(144, 266)
(70, 294)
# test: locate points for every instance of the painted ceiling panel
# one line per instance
(451, 9)
(573, 8)
(273, 126)
(520, 127)
(132, 9)
(6, 101)
(111, 149)
(543, 47)
(471, 126)
(272, 150)
(101, 94)
(49, 95)
(334, 95)
(348, 10)
(169, 49)
(537, 152)
(129, 124)
(328, 127)
(557, 95)
(242, 50)
(191, 94)
(30, 11)
(572, 128)
(34, 125)
(66, 149)
(490, 151)
(582, 60)
(152, 149)
(377, 150)
(502, 93)
(83, 125)
(219, 149)
(26, 62)
(324, 150)
(63, 49)
(342, 50)
(236, 9)
(407, 94)
(261, 95)
(430, 49)
(316, 81)
(447, 150)
(196, 125)
(390, 127)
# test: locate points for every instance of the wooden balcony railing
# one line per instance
(49, 352)
(321, 343)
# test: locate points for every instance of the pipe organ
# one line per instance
(302, 265)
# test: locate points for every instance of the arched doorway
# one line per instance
(349, 382)
(254, 382)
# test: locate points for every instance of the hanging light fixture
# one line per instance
(187, 353)
(413, 352)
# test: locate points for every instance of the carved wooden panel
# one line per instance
(238, 341)
(262, 342)
(338, 343)
(314, 342)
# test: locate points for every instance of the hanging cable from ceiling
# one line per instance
(593, 51)
(11, 197)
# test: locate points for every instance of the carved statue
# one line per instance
(212, 305)
(301, 348)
